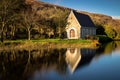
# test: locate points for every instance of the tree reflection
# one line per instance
(12, 66)
(107, 48)
(19, 65)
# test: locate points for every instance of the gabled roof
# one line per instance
(83, 19)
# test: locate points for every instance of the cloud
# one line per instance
(116, 17)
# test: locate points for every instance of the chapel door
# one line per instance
(72, 33)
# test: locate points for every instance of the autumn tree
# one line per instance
(60, 22)
(110, 32)
(29, 18)
(8, 11)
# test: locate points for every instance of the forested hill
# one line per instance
(106, 24)
(26, 19)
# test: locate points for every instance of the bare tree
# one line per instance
(29, 21)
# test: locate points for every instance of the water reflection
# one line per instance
(77, 58)
(22, 64)
(107, 49)
(73, 57)
(54, 64)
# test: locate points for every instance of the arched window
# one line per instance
(72, 33)
(72, 50)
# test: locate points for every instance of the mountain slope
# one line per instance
(100, 20)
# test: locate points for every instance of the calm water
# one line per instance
(62, 64)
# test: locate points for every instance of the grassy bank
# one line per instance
(48, 43)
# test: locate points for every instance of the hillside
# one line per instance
(100, 20)
(31, 19)
(97, 18)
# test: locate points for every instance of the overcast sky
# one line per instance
(108, 7)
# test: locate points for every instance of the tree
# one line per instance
(29, 18)
(60, 22)
(110, 32)
(8, 10)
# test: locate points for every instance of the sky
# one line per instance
(107, 7)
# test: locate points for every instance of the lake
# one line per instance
(71, 63)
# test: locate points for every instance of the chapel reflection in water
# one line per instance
(77, 58)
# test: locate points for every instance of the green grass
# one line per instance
(65, 41)
(50, 41)
(47, 43)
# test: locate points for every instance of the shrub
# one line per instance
(90, 37)
(103, 38)
(110, 32)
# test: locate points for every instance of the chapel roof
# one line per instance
(83, 19)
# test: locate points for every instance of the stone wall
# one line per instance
(73, 24)
(87, 31)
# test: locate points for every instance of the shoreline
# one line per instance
(48, 43)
